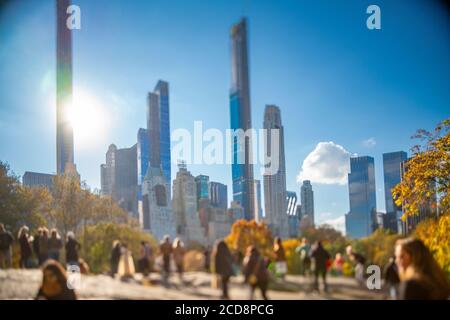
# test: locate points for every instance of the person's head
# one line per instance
(338, 256)
(54, 280)
(221, 247)
(2, 227)
(39, 231)
(143, 243)
(54, 233)
(278, 241)
(349, 250)
(70, 235)
(251, 251)
(177, 243)
(415, 261)
(304, 241)
(45, 232)
(116, 243)
(166, 238)
(23, 231)
(318, 244)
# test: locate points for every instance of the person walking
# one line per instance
(391, 278)
(338, 264)
(54, 245)
(115, 257)
(6, 241)
(305, 262)
(126, 269)
(280, 258)
(25, 248)
(359, 261)
(36, 245)
(223, 265)
(166, 251)
(145, 259)
(207, 258)
(319, 257)
(255, 272)
(421, 278)
(43, 246)
(178, 256)
(72, 249)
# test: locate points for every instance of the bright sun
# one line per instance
(89, 119)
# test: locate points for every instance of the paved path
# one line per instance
(23, 284)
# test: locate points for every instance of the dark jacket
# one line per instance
(414, 290)
(391, 273)
(72, 247)
(256, 265)
(223, 262)
(320, 257)
(6, 240)
(25, 247)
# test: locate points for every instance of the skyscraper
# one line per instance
(156, 200)
(119, 177)
(275, 182)
(307, 200)
(361, 220)
(64, 130)
(392, 176)
(162, 91)
(184, 206)
(293, 216)
(143, 160)
(240, 116)
(36, 179)
(218, 195)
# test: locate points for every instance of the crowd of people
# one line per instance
(412, 273)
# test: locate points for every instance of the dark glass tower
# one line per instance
(240, 114)
(361, 220)
(64, 130)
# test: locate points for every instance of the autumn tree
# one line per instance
(427, 173)
(246, 233)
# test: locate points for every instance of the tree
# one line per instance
(250, 233)
(427, 173)
(436, 236)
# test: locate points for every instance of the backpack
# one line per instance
(5, 241)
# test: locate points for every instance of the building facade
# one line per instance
(361, 220)
(240, 116)
(307, 201)
(36, 179)
(275, 182)
(218, 195)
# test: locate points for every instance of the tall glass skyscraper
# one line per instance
(392, 176)
(162, 90)
(240, 116)
(64, 130)
(218, 195)
(202, 183)
(275, 182)
(361, 220)
(307, 200)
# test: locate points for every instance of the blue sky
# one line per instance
(334, 80)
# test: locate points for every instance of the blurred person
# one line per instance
(338, 264)
(178, 256)
(6, 241)
(25, 248)
(166, 251)
(223, 265)
(43, 246)
(305, 262)
(115, 257)
(126, 268)
(54, 283)
(54, 245)
(280, 258)
(391, 278)
(207, 258)
(72, 249)
(146, 257)
(421, 278)
(359, 260)
(36, 245)
(319, 257)
(255, 272)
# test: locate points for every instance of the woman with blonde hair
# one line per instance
(420, 275)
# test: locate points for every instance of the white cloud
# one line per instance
(370, 143)
(337, 223)
(328, 163)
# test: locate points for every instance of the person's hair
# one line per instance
(70, 235)
(54, 233)
(221, 248)
(424, 267)
(177, 243)
(23, 231)
(115, 243)
(55, 267)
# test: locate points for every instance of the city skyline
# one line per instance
(368, 141)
